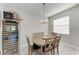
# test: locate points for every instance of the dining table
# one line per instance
(42, 41)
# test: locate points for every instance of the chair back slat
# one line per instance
(38, 35)
(54, 34)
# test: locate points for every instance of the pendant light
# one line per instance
(45, 20)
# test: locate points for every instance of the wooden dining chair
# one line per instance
(38, 35)
(55, 44)
(49, 46)
(52, 45)
(31, 48)
(54, 34)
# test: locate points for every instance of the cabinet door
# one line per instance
(10, 38)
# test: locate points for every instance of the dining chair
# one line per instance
(54, 34)
(38, 35)
(31, 48)
(52, 45)
(56, 42)
(49, 46)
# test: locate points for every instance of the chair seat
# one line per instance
(35, 46)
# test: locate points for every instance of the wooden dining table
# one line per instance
(42, 41)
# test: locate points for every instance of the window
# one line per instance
(61, 25)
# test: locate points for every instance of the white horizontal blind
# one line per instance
(61, 25)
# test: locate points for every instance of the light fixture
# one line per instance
(45, 20)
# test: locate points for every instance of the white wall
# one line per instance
(73, 37)
(29, 24)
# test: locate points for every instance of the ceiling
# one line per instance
(37, 8)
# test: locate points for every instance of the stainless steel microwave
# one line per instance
(6, 15)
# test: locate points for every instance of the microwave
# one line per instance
(6, 15)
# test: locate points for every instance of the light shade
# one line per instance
(44, 21)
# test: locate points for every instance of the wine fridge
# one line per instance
(9, 37)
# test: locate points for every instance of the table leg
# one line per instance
(41, 50)
(45, 46)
